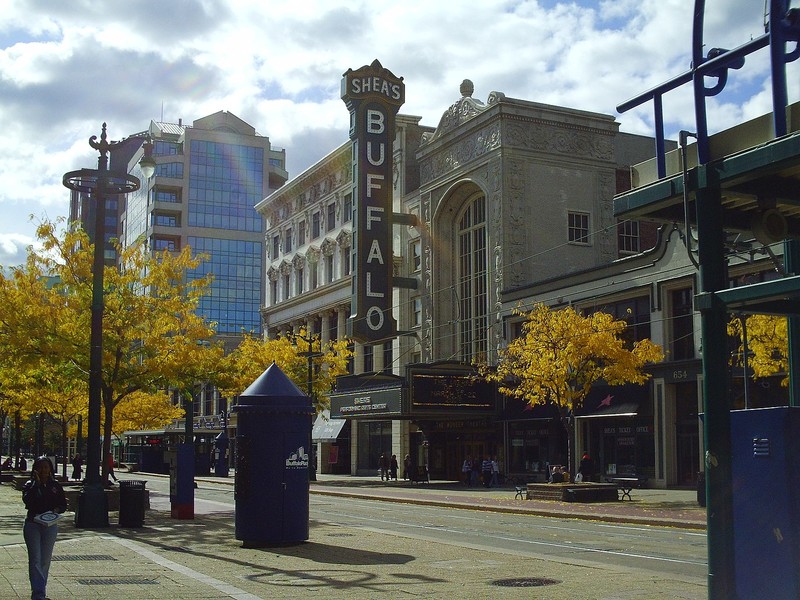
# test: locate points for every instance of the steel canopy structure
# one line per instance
(738, 183)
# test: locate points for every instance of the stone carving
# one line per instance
(299, 261)
(313, 254)
(344, 239)
(517, 227)
(498, 301)
(328, 246)
(458, 113)
(562, 139)
(608, 235)
(471, 147)
(397, 163)
(495, 97)
(272, 274)
(286, 267)
(426, 274)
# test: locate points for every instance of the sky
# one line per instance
(67, 67)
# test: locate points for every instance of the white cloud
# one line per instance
(67, 67)
(14, 248)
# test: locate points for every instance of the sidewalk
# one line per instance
(671, 508)
(193, 560)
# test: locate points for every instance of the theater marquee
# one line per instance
(373, 95)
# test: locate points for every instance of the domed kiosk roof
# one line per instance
(274, 388)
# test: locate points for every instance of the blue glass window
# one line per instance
(225, 183)
(165, 220)
(161, 148)
(166, 196)
(174, 170)
(162, 244)
(234, 299)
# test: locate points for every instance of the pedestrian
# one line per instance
(393, 467)
(110, 460)
(77, 466)
(466, 469)
(486, 467)
(495, 472)
(41, 494)
(557, 475)
(407, 467)
(383, 467)
(586, 468)
(476, 471)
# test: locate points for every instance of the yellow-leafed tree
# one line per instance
(767, 344)
(141, 411)
(29, 319)
(153, 338)
(254, 355)
(561, 354)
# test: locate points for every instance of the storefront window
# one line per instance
(529, 446)
(374, 439)
(627, 448)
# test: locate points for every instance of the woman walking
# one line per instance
(42, 494)
(77, 467)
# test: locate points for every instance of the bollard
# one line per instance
(221, 455)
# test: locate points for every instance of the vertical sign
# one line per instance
(373, 95)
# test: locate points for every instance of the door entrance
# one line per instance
(687, 435)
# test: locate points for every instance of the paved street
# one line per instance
(201, 559)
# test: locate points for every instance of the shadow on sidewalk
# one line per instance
(336, 564)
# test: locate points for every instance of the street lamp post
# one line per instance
(92, 510)
(310, 354)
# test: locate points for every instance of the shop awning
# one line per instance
(515, 409)
(606, 401)
(326, 430)
(622, 409)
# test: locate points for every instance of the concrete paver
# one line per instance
(201, 559)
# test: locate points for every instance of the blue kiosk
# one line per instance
(271, 489)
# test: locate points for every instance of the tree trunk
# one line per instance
(568, 421)
(3, 415)
(108, 421)
(64, 446)
(17, 433)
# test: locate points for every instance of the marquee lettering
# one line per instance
(371, 210)
(373, 95)
(375, 253)
(365, 85)
(370, 155)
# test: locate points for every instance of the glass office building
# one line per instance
(235, 297)
(208, 178)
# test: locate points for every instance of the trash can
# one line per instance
(131, 503)
(701, 488)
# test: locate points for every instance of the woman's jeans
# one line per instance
(40, 540)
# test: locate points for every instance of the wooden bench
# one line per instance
(628, 481)
(626, 484)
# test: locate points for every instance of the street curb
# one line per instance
(629, 519)
(605, 518)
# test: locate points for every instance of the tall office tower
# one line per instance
(208, 178)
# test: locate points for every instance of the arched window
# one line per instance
(472, 280)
